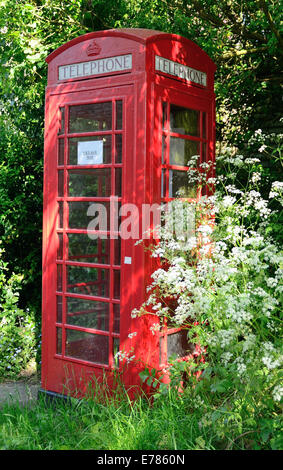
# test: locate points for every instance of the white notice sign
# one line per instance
(90, 152)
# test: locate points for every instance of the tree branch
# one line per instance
(237, 28)
(273, 28)
(233, 54)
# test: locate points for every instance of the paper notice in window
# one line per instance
(90, 152)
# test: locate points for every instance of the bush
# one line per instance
(17, 334)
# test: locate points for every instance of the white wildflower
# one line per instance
(277, 393)
(262, 148)
(276, 189)
(249, 342)
(271, 282)
(267, 346)
(270, 363)
(225, 357)
(228, 201)
(256, 177)
(241, 367)
(155, 328)
(134, 313)
(131, 335)
(124, 356)
(251, 161)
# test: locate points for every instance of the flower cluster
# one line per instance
(226, 276)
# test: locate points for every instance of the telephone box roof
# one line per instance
(143, 36)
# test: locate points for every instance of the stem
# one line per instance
(238, 437)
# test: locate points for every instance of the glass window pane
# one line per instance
(87, 346)
(61, 121)
(60, 211)
(116, 347)
(177, 343)
(90, 117)
(60, 246)
(59, 278)
(59, 309)
(84, 249)
(164, 115)
(181, 151)
(204, 155)
(61, 148)
(204, 125)
(88, 281)
(163, 157)
(75, 152)
(118, 182)
(163, 183)
(89, 183)
(116, 275)
(89, 215)
(179, 185)
(58, 340)
(118, 148)
(116, 314)
(117, 251)
(61, 183)
(60, 214)
(119, 114)
(88, 314)
(184, 121)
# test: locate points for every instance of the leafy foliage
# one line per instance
(17, 335)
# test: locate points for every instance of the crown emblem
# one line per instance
(93, 48)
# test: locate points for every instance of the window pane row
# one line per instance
(88, 314)
(89, 281)
(179, 185)
(90, 182)
(185, 121)
(86, 346)
(91, 150)
(87, 215)
(82, 248)
(91, 117)
(184, 152)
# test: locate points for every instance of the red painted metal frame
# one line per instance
(143, 91)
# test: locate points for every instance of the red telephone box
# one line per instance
(125, 109)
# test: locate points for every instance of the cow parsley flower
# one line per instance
(277, 393)
(262, 148)
(155, 328)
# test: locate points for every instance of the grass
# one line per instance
(116, 424)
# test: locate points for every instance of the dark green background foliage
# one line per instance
(243, 38)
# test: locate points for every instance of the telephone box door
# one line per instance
(89, 138)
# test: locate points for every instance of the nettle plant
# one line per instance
(226, 279)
